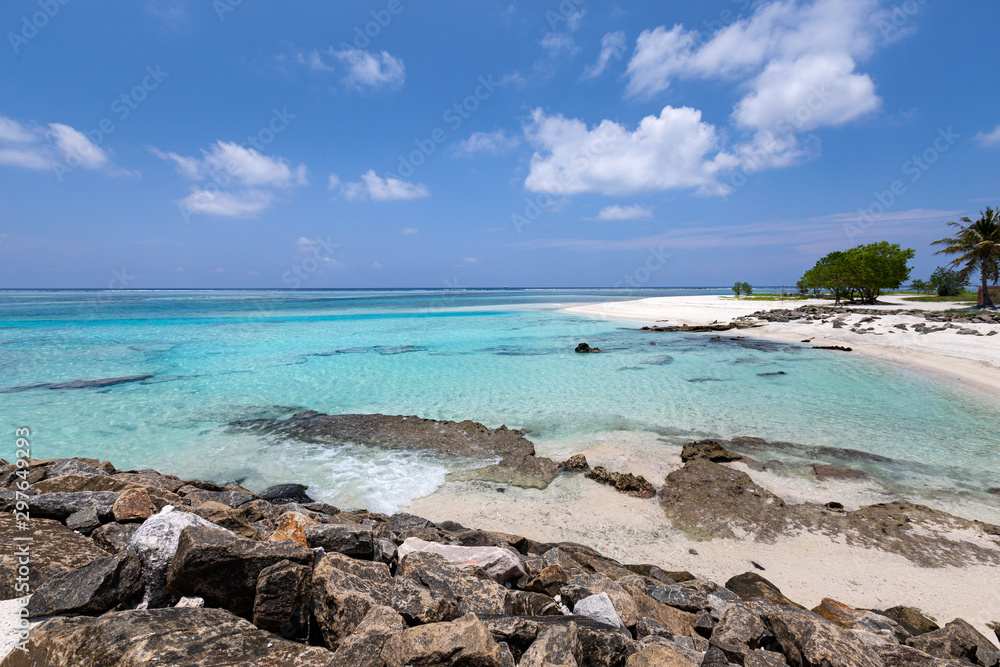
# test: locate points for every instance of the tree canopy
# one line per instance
(861, 273)
(977, 245)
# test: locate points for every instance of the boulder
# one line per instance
(751, 586)
(351, 540)
(73, 467)
(291, 526)
(576, 462)
(281, 600)
(677, 622)
(472, 592)
(658, 655)
(501, 564)
(900, 655)
(223, 568)
(363, 648)
(418, 604)
(133, 505)
(586, 585)
(911, 618)
(462, 642)
(150, 479)
(230, 497)
(385, 551)
(850, 618)
(76, 483)
(526, 603)
(808, 639)
(53, 550)
(91, 589)
(599, 608)
(555, 646)
(738, 633)
(958, 640)
(283, 493)
(343, 592)
(680, 597)
(62, 505)
(175, 637)
(84, 521)
(155, 542)
(627, 483)
(114, 537)
(713, 450)
(602, 645)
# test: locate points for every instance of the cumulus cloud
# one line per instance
(989, 138)
(612, 48)
(227, 204)
(491, 143)
(617, 212)
(363, 69)
(798, 59)
(374, 187)
(57, 147)
(673, 151)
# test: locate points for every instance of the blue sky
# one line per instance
(175, 143)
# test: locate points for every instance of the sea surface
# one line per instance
(493, 356)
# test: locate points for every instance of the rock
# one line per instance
(910, 618)
(53, 550)
(150, 479)
(825, 472)
(680, 598)
(469, 592)
(751, 586)
(364, 647)
(227, 517)
(114, 537)
(957, 640)
(419, 605)
(174, 637)
(738, 633)
(73, 467)
(995, 627)
(77, 483)
(280, 493)
(808, 639)
(555, 646)
(62, 505)
(658, 655)
(576, 462)
(502, 565)
(351, 540)
(84, 521)
(385, 551)
(463, 642)
(627, 483)
(190, 603)
(525, 603)
(133, 505)
(196, 496)
(586, 585)
(713, 450)
(516, 454)
(677, 622)
(898, 655)
(599, 608)
(343, 591)
(281, 600)
(584, 347)
(291, 526)
(92, 589)
(224, 568)
(859, 619)
(155, 541)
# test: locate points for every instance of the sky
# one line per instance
(244, 144)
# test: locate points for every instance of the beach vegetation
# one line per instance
(947, 282)
(861, 273)
(977, 246)
(921, 286)
(742, 288)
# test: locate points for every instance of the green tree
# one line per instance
(947, 282)
(738, 288)
(747, 288)
(861, 272)
(920, 286)
(977, 245)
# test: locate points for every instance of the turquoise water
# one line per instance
(498, 357)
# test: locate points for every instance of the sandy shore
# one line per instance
(971, 361)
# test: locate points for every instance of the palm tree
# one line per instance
(977, 245)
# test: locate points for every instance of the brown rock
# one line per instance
(676, 621)
(850, 618)
(463, 642)
(629, 484)
(470, 591)
(54, 549)
(658, 655)
(751, 586)
(93, 588)
(281, 601)
(713, 450)
(825, 472)
(957, 640)
(74, 483)
(343, 591)
(133, 505)
(114, 537)
(808, 639)
(585, 585)
(911, 618)
(364, 647)
(292, 527)
(555, 646)
(576, 462)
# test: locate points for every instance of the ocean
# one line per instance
(492, 356)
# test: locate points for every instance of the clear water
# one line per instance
(498, 357)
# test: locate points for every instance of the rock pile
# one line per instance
(219, 575)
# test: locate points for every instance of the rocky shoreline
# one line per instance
(138, 568)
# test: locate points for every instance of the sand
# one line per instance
(807, 567)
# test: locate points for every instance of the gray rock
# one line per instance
(680, 598)
(280, 493)
(61, 505)
(647, 627)
(355, 541)
(72, 467)
(114, 537)
(83, 521)
(91, 589)
(385, 551)
(281, 601)
(197, 496)
(363, 648)
(557, 645)
(957, 640)
(599, 608)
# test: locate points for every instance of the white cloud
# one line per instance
(374, 187)
(612, 48)
(58, 147)
(372, 70)
(409, 231)
(989, 138)
(376, 266)
(244, 165)
(493, 143)
(557, 43)
(471, 261)
(227, 204)
(672, 151)
(617, 212)
(789, 53)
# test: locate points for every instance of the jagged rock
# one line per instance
(502, 565)
(463, 642)
(470, 592)
(859, 619)
(281, 493)
(627, 483)
(281, 600)
(133, 505)
(995, 627)
(576, 462)
(713, 450)
(681, 598)
(196, 496)
(114, 537)
(77, 483)
(910, 618)
(526, 603)
(738, 633)
(84, 521)
(291, 526)
(190, 603)
(351, 540)
(957, 640)
(155, 542)
(150, 479)
(658, 655)
(91, 589)
(599, 608)
(809, 639)
(418, 604)
(603, 645)
(53, 550)
(826, 472)
(174, 637)
(899, 655)
(63, 467)
(385, 551)
(555, 646)
(261, 510)
(677, 622)
(751, 586)
(223, 568)
(343, 591)
(586, 585)
(364, 647)
(62, 505)
(227, 517)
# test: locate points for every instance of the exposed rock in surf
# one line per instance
(515, 455)
(583, 347)
(576, 462)
(627, 483)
